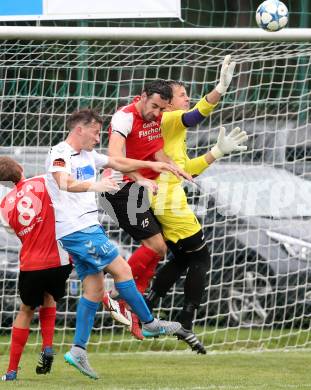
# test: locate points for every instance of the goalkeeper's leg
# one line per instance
(191, 254)
(198, 258)
(166, 276)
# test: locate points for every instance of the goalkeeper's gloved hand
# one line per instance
(226, 74)
(229, 143)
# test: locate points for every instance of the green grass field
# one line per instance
(171, 370)
(171, 365)
(269, 370)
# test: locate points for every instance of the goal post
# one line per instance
(255, 207)
(153, 33)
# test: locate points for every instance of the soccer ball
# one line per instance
(272, 15)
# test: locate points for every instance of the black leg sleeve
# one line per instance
(167, 275)
(199, 264)
(197, 257)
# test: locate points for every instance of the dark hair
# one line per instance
(160, 87)
(85, 115)
(10, 170)
(173, 83)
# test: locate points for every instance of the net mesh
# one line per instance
(259, 288)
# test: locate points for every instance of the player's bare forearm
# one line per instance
(209, 158)
(180, 173)
(135, 175)
(213, 97)
(162, 157)
(67, 183)
(143, 181)
(126, 165)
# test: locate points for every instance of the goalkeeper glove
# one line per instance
(226, 74)
(229, 143)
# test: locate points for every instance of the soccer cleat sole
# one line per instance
(115, 312)
(160, 332)
(120, 318)
(147, 333)
(68, 359)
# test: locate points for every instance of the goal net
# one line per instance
(255, 207)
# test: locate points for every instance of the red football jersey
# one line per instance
(143, 139)
(29, 212)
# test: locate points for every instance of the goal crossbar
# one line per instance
(149, 33)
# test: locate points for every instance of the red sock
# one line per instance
(18, 342)
(143, 282)
(143, 263)
(47, 316)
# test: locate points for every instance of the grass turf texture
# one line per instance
(220, 339)
(169, 371)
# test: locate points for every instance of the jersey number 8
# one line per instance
(26, 212)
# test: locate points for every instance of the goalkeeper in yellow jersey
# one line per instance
(181, 230)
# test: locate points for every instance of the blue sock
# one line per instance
(128, 291)
(86, 312)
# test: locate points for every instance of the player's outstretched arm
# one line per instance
(226, 144)
(150, 184)
(67, 183)
(126, 165)
(207, 104)
(180, 173)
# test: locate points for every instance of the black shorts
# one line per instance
(33, 284)
(130, 208)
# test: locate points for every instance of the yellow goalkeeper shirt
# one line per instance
(170, 204)
(174, 135)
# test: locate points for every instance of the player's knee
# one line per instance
(120, 270)
(200, 261)
(196, 250)
(157, 244)
(126, 271)
(26, 310)
(48, 300)
(161, 249)
(95, 295)
(93, 286)
(201, 264)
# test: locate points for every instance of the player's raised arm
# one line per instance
(179, 113)
(226, 74)
(206, 105)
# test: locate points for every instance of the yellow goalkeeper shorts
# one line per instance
(171, 209)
